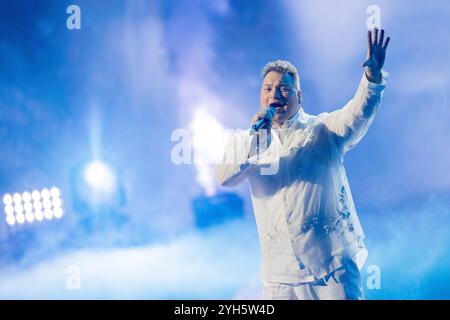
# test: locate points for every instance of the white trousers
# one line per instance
(341, 284)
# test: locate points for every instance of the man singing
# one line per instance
(311, 240)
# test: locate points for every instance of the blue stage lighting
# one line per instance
(217, 209)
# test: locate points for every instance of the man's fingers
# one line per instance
(381, 38)
(259, 115)
(255, 118)
(369, 41)
(386, 43)
(375, 38)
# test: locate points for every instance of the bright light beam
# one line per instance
(100, 177)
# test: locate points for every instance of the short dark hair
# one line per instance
(282, 66)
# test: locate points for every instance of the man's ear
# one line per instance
(299, 95)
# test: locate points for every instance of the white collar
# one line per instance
(294, 119)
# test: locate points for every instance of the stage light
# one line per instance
(7, 199)
(100, 177)
(35, 206)
(10, 219)
(20, 217)
(39, 215)
(97, 195)
(56, 202)
(28, 206)
(54, 192)
(217, 209)
(18, 208)
(17, 198)
(9, 209)
(58, 212)
(26, 196)
(48, 214)
(208, 140)
(47, 204)
(36, 195)
(45, 194)
(29, 216)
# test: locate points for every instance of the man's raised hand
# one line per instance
(376, 53)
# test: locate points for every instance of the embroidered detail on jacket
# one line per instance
(339, 223)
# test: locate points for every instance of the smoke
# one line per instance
(217, 263)
(410, 245)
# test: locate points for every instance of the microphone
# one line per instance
(266, 120)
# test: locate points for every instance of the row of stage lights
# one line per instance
(34, 206)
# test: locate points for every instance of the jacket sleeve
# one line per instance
(235, 164)
(350, 123)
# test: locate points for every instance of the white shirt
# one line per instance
(305, 215)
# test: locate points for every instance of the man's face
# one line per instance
(279, 89)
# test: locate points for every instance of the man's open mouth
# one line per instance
(280, 108)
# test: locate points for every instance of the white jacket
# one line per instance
(306, 218)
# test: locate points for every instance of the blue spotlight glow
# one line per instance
(100, 177)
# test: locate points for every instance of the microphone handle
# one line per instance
(261, 122)
(258, 124)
